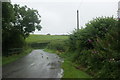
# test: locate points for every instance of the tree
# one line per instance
(26, 20)
(7, 15)
(17, 23)
(7, 19)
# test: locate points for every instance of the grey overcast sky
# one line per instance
(59, 16)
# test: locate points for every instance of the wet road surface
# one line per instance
(38, 64)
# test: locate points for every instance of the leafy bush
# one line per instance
(58, 45)
(97, 47)
(110, 47)
(11, 39)
(17, 23)
(84, 38)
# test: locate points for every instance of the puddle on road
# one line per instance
(60, 74)
(54, 65)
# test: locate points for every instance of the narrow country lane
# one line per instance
(38, 64)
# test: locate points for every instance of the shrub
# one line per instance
(84, 38)
(11, 39)
(97, 47)
(110, 47)
(58, 45)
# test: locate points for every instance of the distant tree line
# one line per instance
(17, 22)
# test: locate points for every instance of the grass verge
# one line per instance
(69, 70)
(9, 59)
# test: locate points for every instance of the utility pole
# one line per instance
(77, 20)
(119, 10)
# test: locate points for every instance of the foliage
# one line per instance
(97, 47)
(26, 20)
(109, 48)
(17, 23)
(7, 15)
(84, 38)
(9, 41)
(100, 26)
(58, 45)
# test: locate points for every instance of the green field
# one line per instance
(44, 38)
